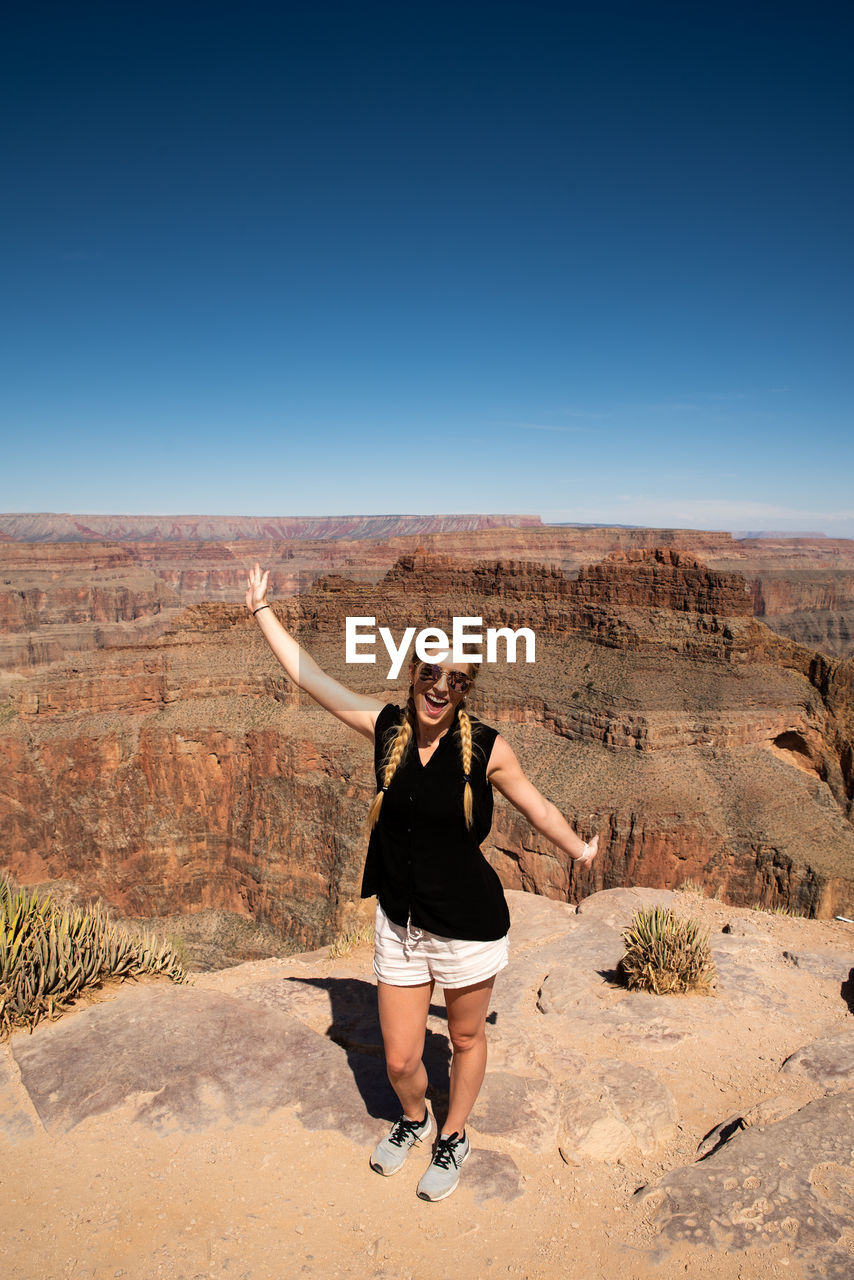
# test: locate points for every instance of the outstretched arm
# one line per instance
(353, 709)
(505, 773)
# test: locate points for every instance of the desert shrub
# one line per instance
(691, 886)
(345, 942)
(666, 954)
(50, 954)
(778, 910)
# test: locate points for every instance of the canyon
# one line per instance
(62, 594)
(154, 754)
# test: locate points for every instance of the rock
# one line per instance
(615, 907)
(662, 577)
(824, 964)
(342, 1008)
(491, 1175)
(523, 1110)
(186, 1059)
(790, 1182)
(744, 929)
(656, 1022)
(15, 1122)
(614, 1107)
(770, 1110)
(576, 965)
(721, 1133)
(743, 974)
(534, 920)
(829, 1062)
(595, 1134)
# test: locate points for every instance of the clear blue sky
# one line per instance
(591, 261)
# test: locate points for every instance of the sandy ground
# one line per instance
(111, 1198)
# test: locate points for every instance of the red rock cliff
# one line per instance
(186, 772)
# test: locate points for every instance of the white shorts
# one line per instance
(407, 958)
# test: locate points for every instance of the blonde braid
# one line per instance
(393, 758)
(465, 745)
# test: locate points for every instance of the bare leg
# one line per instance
(403, 1020)
(467, 1008)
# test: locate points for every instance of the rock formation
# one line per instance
(186, 776)
(58, 598)
(53, 527)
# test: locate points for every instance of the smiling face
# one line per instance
(437, 692)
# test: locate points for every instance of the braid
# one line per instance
(398, 746)
(465, 747)
(394, 755)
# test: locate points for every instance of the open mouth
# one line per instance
(435, 707)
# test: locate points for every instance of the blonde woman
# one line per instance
(441, 912)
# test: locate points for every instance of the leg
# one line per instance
(467, 1008)
(403, 1021)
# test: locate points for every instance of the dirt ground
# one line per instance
(260, 1201)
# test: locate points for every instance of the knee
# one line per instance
(399, 1065)
(465, 1041)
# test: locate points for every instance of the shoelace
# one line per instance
(446, 1151)
(403, 1130)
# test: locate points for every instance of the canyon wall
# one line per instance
(62, 527)
(180, 771)
(62, 598)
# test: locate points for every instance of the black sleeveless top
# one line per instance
(422, 860)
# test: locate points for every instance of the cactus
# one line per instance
(666, 954)
(49, 955)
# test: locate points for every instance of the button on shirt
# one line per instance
(423, 862)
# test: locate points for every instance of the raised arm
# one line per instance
(505, 773)
(353, 709)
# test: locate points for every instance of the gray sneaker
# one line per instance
(389, 1155)
(444, 1172)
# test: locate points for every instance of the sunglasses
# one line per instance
(457, 680)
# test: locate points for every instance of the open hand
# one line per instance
(256, 587)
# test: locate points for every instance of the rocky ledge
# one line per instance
(222, 1129)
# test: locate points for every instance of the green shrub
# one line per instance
(49, 955)
(666, 954)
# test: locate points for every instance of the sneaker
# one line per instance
(444, 1172)
(389, 1155)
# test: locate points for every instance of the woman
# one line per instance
(441, 912)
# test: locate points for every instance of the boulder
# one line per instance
(828, 1062)
(613, 1108)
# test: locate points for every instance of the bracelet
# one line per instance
(260, 607)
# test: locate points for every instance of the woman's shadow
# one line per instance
(355, 1027)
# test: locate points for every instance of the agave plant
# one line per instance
(666, 954)
(48, 955)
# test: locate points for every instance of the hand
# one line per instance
(589, 854)
(256, 588)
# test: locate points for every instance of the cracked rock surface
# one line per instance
(792, 1181)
